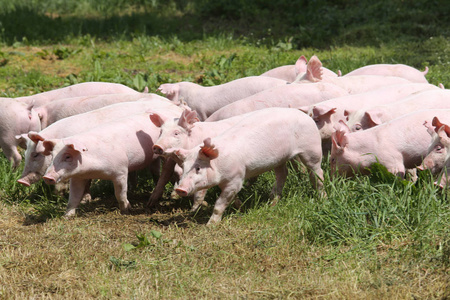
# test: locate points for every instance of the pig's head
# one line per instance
(199, 170)
(324, 116)
(67, 158)
(345, 158)
(174, 132)
(35, 161)
(313, 72)
(362, 120)
(438, 155)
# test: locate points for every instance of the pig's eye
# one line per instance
(35, 154)
(438, 148)
(197, 169)
(67, 157)
(176, 133)
(358, 127)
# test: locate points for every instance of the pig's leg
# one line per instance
(87, 192)
(12, 154)
(281, 173)
(199, 199)
(229, 192)
(155, 169)
(77, 188)
(120, 191)
(166, 174)
(313, 163)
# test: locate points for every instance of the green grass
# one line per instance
(372, 237)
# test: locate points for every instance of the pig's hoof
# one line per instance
(70, 214)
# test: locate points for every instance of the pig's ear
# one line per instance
(156, 119)
(177, 154)
(339, 139)
(170, 90)
(319, 111)
(75, 145)
(348, 112)
(314, 69)
(208, 150)
(444, 132)
(374, 117)
(188, 118)
(300, 65)
(437, 124)
(22, 138)
(342, 127)
(49, 145)
(35, 137)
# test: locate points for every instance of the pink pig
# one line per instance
(327, 114)
(398, 145)
(187, 132)
(437, 159)
(398, 70)
(291, 72)
(377, 115)
(291, 95)
(206, 100)
(60, 109)
(76, 90)
(109, 151)
(15, 118)
(263, 141)
(36, 163)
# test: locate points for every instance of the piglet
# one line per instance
(399, 145)
(437, 159)
(109, 151)
(263, 141)
(206, 100)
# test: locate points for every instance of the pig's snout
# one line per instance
(182, 192)
(49, 180)
(24, 181)
(157, 149)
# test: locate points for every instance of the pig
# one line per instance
(36, 163)
(292, 95)
(60, 109)
(327, 114)
(76, 90)
(206, 100)
(15, 118)
(398, 70)
(263, 141)
(376, 115)
(399, 145)
(187, 132)
(290, 72)
(109, 152)
(352, 84)
(437, 159)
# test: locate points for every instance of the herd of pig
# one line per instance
(222, 135)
